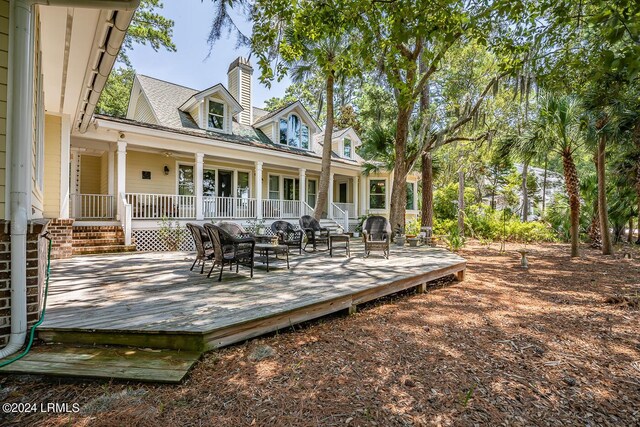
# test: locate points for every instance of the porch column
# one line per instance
(65, 147)
(199, 178)
(122, 172)
(330, 196)
(363, 195)
(73, 184)
(303, 186)
(111, 172)
(259, 190)
(354, 196)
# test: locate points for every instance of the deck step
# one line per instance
(107, 249)
(98, 242)
(121, 363)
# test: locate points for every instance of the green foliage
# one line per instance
(148, 26)
(347, 118)
(114, 99)
(413, 227)
(171, 234)
(454, 240)
(445, 201)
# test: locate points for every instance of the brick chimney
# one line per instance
(239, 86)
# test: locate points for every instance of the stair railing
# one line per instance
(124, 208)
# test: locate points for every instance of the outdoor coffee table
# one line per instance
(339, 241)
(276, 249)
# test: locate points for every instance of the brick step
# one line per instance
(89, 250)
(98, 228)
(96, 235)
(97, 242)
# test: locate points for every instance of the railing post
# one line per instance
(127, 227)
(199, 179)
(259, 213)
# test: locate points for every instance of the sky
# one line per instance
(189, 66)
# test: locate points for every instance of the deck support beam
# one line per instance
(460, 276)
(353, 309)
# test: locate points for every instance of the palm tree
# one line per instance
(329, 57)
(558, 129)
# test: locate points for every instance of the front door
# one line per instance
(342, 193)
(291, 195)
(225, 189)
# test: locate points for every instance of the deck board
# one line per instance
(166, 366)
(155, 293)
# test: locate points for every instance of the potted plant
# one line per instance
(358, 230)
(256, 226)
(413, 228)
(400, 237)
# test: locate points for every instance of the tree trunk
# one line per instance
(525, 193)
(544, 185)
(399, 188)
(427, 161)
(461, 202)
(325, 174)
(607, 248)
(630, 235)
(573, 191)
(427, 190)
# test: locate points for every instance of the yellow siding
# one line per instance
(104, 173)
(143, 112)
(52, 141)
(89, 175)
(154, 163)
(4, 65)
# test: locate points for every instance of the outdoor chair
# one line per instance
(204, 249)
(287, 234)
(376, 231)
(233, 228)
(314, 232)
(229, 250)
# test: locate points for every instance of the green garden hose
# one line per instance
(44, 306)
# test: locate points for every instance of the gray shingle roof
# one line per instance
(165, 98)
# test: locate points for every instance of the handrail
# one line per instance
(337, 213)
(92, 206)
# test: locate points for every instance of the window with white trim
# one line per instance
(274, 187)
(215, 119)
(377, 194)
(294, 133)
(347, 148)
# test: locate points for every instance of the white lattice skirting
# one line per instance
(150, 240)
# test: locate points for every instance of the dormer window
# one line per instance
(347, 149)
(215, 118)
(293, 133)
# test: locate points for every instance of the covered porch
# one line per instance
(138, 185)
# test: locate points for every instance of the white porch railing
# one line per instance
(340, 216)
(283, 208)
(157, 206)
(93, 206)
(125, 212)
(349, 208)
(228, 207)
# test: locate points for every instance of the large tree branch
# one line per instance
(433, 67)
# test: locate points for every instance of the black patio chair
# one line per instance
(229, 250)
(376, 231)
(287, 234)
(314, 232)
(204, 249)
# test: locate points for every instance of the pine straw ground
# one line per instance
(547, 346)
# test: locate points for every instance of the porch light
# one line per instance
(166, 170)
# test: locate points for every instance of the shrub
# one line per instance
(171, 234)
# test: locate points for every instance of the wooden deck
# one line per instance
(153, 300)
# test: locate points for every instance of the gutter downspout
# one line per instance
(20, 121)
(20, 127)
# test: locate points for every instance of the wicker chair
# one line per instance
(315, 234)
(376, 231)
(287, 234)
(204, 249)
(229, 250)
(233, 228)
